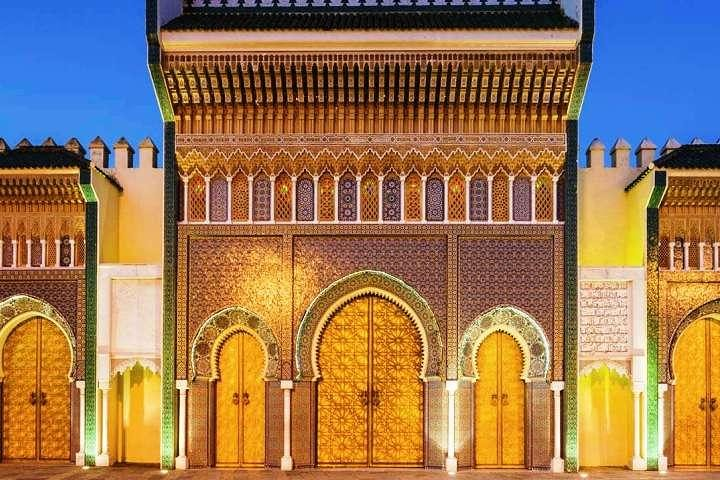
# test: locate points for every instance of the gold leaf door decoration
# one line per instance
(370, 398)
(54, 398)
(240, 393)
(714, 391)
(499, 404)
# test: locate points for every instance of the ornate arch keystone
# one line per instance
(351, 287)
(518, 324)
(220, 326)
(18, 308)
(710, 309)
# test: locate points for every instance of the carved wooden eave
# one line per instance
(40, 190)
(693, 191)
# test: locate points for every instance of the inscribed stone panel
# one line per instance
(605, 318)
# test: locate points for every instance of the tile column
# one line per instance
(558, 463)
(185, 199)
(662, 459)
(207, 199)
(181, 461)
(637, 462)
(14, 253)
(286, 462)
(28, 253)
(555, 199)
(489, 198)
(80, 455)
(43, 250)
(451, 463)
(716, 256)
(103, 459)
(57, 252)
(229, 198)
(72, 253)
(671, 253)
(701, 255)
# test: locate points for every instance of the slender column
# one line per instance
(185, 199)
(423, 182)
(511, 181)
(286, 462)
(451, 462)
(250, 199)
(57, 252)
(402, 198)
(293, 200)
(558, 463)
(14, 253)
(555, 199)
(181, 461)
(272, 198)
(207, 199)
(316, 199)
(446, 194)
(701, 255)
(686, 255)
(43, 252)
(533, 182)
(80, 455)
(671, 248)
(2, 243)
(28, 253)
(358, 193)
(336, 207)
(103, 460)
(380, 198)
(489, 198)
(662, 459)
(229, 199)
(637, 462)
(716, 257)
(72, 253)
(467, 199)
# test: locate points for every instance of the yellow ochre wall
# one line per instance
(134, 421)
(108, 207)
(606, 418)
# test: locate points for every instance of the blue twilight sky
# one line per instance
(77, 68)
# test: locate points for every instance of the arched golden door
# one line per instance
(697, 395)
(499, 404)
(370, 398)
(36, 393)
(240, 413)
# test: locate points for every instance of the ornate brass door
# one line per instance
(36, 403)
(240, 413)
(697, 395)
(370, 398)
(499, 404)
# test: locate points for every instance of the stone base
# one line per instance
(557, 465)
(102, 460)
(286, 464)
(80, 459)
(638, 464)
(662, 464)
(181, 463)
(451, 465)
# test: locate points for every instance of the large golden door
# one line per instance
(499, 404)
(36, 393)
(240, 413)
(697, 395)
(370, 398)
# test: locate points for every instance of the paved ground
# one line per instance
(37, 472)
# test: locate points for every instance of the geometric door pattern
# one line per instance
(240, 412)
(370, 396)
(499, 404)
(36, 393)
(697, 395)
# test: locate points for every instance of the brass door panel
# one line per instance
(397, 391)
(370, 398)
(690, 362)
(343, 391)
(714, 391)
(54, 401)
(499, 404)
(240, 412)
(20, 363)
(253, 402)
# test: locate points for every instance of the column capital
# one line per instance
(662, 388)
(287, 384)
(451, 386)
(638, 387)
(104, 385)
(181, 385)
(80, 385)
(557, 386)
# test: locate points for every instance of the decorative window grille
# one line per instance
(65, 251)
(218, 199)
(478, 199)
(283, 198)
(7, 250)
(196, 198)
(391, 198)
(664, 253)
(305, 199)
(261, 198)
(678, 253)
(36, 251)
(544, 199)
(347, 198)
(369, 198)
(456, 198)
(413, 186)
(561, 198)
(434, 200)
(50, 247)
(326, 201)
(21, 246)
(240, 198)
(522, 199)
(500, 198)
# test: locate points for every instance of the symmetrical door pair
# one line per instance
(697, 395)
(36, 393)
(370, 397)
(240, 414)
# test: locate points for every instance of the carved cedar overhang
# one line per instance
(692, 192)
(380, 153)
(389, 92)
(34, 189)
